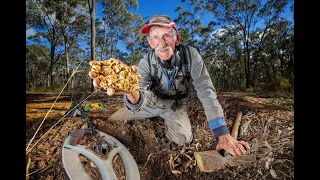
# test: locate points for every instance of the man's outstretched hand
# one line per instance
(110, 91)
(233, 146)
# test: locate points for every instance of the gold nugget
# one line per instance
(113, 73)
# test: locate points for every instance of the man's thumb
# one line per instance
(134, 68)
(110, 91)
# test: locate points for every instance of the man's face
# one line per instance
(163, 41)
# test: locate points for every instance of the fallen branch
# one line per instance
(147, 160)
(37, 170)
(27, 168)
(244, 127)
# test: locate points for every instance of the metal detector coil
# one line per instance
(73, 168)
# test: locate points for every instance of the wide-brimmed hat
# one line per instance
(159, 20)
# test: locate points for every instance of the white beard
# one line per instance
(169, 53)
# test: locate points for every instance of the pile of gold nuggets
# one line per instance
(115, 74)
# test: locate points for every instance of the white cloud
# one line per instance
(30, 32)
(220, 32)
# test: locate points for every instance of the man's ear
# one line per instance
(178, 39)
(149, 41)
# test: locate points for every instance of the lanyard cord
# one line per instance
(170, 77)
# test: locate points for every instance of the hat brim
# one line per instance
(146, 28)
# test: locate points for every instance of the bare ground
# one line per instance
(267, 125)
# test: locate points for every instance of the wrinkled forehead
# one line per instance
(160, 30)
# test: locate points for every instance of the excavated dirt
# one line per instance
(267, 125)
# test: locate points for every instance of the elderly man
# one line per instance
(167, 74)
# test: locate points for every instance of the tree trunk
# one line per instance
(67, 61)
(92, 10)
(240, 74)
(248, 74)
(104, 40)
(49, 80)
(111, 49)
(52, 50)
(282, 71)
(115, 45)
(246, 68)
(291, 69)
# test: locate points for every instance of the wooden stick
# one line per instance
(27, 168)
(236, 124)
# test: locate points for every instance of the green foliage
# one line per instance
(253, 89)
(289, 103)
(279, 84)
(243, 87)
(45, 89)
(279, 87)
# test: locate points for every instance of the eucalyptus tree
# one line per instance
(41, 15)
(245, 16)
(101, 38)
(73, 17)
(134, 40)
(224, 61)
(277, 52)
(92, 11)
(214, 46)
(116, 18)
(81, 78)
(36, 59)
(190, 24)
(284, 48)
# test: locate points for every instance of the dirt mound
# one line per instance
(267, 125)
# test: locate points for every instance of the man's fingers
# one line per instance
(92, 74)
(245, 144)
(91, 63)
(96, 82)
(226, 148)
(238, 147)
(218, 148)
(234, 149)
(125, 92)
(231, 150)
(241, 149)
(134, 68)
(111, 91)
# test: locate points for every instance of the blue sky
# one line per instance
(151, 8)
(147, 8)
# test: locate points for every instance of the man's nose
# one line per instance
(162, 40)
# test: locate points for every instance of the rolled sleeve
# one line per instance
(218, 127)
(133, 107)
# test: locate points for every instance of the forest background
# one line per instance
(247, 45)
(248, 49)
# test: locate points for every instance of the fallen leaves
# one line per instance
(180, 161)
(271, 138)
